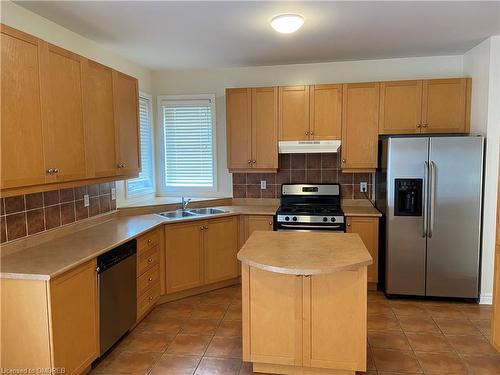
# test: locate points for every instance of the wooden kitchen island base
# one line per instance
(296, 370)
(304, 314)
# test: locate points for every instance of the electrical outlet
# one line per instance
(113, 194)
(86, 201)
(363, 187)
(263, 184)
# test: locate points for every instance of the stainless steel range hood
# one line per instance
(308, 147)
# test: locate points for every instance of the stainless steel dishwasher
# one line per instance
(116, 275)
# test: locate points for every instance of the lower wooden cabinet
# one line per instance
(367, 228)
(251, 223)
(200, 252)
(51, 324)
(304, 321)
(148, 271)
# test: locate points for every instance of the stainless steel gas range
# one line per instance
(309, 207)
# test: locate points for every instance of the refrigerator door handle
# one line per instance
(424, 199)
(432, 198)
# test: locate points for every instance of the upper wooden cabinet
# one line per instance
(360, 126)
(293, 113)
(429, 106)
(21, 117)
(64, 120)
(400, 107)
(252, 128)
(62, 111)
(99, 118)
(446, 105)
(310, 112)
(126, 105)
(325, 112)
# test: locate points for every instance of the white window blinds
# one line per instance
(188, 143)
(145, 182)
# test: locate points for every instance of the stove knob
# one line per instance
(325, 219)
(294, 218)
(287, 218)
(333, 220)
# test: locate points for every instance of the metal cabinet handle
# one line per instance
(254, 161)
(201, 228)
(150, 298)
(343, 161)
(426, 192)
(52, 170)
(432, 199)
(205, 227)
(425, 125)
(150, 279)
(150, 260)
(419, 126)
(249, 161)
(306, 133)
(312, 133)
(121, 165)
(270, 223)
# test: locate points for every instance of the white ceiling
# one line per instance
(163, 35)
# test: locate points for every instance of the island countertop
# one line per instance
(304, 253)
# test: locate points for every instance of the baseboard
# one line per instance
(486, 299)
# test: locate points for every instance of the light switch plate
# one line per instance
(263, 184)
(113, 194)
(363, 187)
(86, 201)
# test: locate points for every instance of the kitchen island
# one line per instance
(304, 302)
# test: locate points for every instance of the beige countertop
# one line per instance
(359, 207)
(304, 253)
(54, 257)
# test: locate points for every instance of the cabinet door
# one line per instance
(239, 128)
(326, 111)
(257, 222)
(73, 310)
(400, 107)
(446, 105)
(367, 228)
(335, 320)
(220, 242)
(99, 119)
(126, 114)
(21, 131)
(184, 255)
(360, 126)
(265, 127)
(64, 131)
(272, 322)
(294, 113)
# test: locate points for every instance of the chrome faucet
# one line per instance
(185, 202)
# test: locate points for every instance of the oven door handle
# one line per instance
(299, 226)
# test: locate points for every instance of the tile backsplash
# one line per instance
(25, 215)
(301, 168)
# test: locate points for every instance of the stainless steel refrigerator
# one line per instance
(430, 191)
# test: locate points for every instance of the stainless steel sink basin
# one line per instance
(207, 211)
(177, 214)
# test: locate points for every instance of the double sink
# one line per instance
(178, 214)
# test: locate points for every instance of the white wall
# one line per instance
(22, 19)
(216, 80)
(482, 63)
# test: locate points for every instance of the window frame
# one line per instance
(152, 190)
(161, 188)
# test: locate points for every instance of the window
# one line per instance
(188, 143)
(144, 184)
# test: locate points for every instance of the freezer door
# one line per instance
(456, 166)
(405, 228)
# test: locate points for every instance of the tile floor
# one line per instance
(202, 335)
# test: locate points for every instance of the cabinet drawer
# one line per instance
(147, 279)
(147, 260)
(147, 300)
(148, 241)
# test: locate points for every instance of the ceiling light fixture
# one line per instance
(287, 23)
